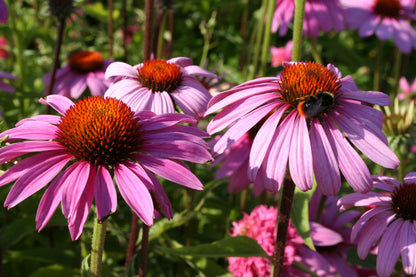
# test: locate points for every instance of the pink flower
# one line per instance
(388, 225)
(4, 53)
(261, 226)
(93, 141)
(4, 86)
(320, 15)
(408, 91)
(384, 18)
(4, 12)
(309, 119)
(281, 54)
(159, 85)
(84, 69)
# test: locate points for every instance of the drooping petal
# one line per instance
(408, 247)
(389, 251)
(134, 193)
(323, 236)
(35, 178)
(300, 156)
(32, 130)
(170, 170)
(15, 150)
(262, 141)
(372, 232)
(105, 193)
(74, 186)
(325, 164)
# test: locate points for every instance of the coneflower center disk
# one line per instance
(159, 75)
(86, 61)
(387, 8)
(404, 201)
(102, 131)
(309, 87)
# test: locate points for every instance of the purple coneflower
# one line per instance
(84, 69)
(160, 85)
(4, 12)
(93, 141)
(4, 86)
(320, 15)
(384, 18)
(408, 91)
(260, 225)
(309, 119)
(389, 223)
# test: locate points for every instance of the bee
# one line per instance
(313, 105)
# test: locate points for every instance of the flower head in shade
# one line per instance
(407, 90)
(94, 140)
(309, 119)
(281, 54)
(4, 12)
(4, 86)
(261, 226)
(384, 18)
(4, 45)
(389, 224)
(334, 241)
(320, 15)
(85, 69)
(161, 86)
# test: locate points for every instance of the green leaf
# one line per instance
(85, 267)
(99, 12)
(206, 267)
(46, 255)
(300, 215)
(55, 270)
(240, 246)
(15, 231)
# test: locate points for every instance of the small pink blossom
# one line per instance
(281, 54)
(408, 91)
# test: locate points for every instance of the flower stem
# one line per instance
(283, 216)
(315, 51)
(259, 38)
(377, 71)
(58, 44)
(298, 29)
(267, 33)
(132, 241)
(143, 252)
(397, 70)
(148, 28)
(110, 29)
(98, 238)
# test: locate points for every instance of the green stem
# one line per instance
(315, 51)
(397, 70)
(267, 33)
(298, 29)
(377, 70)
(110, 29)
(259, 38)
(143, 252)
(98, 238)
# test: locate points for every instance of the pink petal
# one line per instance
(165, 120)
(170, 170)
(32, 130)
(351, 164)
(197, 70)
(74, 186)
(15, 150)
(77, 220)
(300, 156)
(49, 202)
(323, 236)
(262, 141)
(162, 103)
(120, 69)
(372, 232)
(105, 193)
(328, 180)
(408, 247)
(242, 126)
(181, 150)
(58, 102)
(134, 193)
(38, 176)
(159, 197)
(389, 251)
(48, 118)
